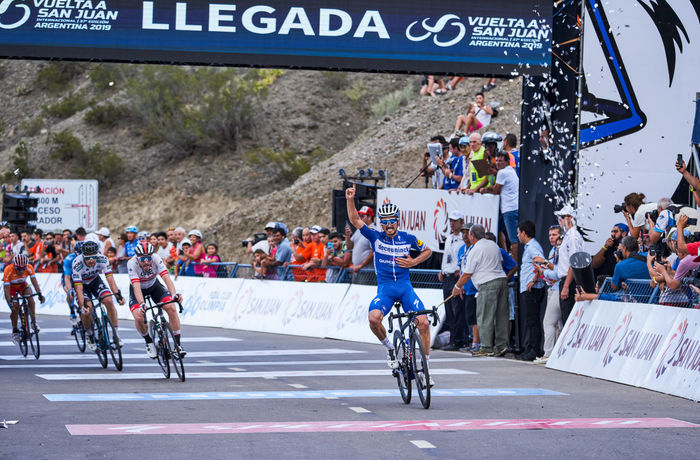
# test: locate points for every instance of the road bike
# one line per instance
(78, 330)
(104, 333)
(163, 338)
(28, 332)
(410, 354)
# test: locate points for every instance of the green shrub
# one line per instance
(389, 103)
(106, 115)
(334, 80)
(199, 109)
(19, 163)
(356, 93)
(23, 90)
(285, 165)
(64, 146)
(107, 76)
(96, 162)
(33, 126)
(56, 76)
(66, 107)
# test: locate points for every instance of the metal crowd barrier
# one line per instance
(642, 291)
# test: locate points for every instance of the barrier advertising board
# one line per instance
(468, 37)
(650, 346)
(424, 211)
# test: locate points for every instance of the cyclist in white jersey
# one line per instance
(87, 268)
(143, 269)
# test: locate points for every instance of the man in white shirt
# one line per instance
(362, 254)
(571, 244)
(484, 268)
(104, 239)
(448, 276)
(508, 186)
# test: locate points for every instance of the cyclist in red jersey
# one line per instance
(15, 283)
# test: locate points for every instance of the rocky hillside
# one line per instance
(331, 120)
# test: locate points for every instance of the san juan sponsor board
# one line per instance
(650, 346)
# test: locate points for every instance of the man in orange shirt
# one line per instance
(38, 247)
(15, 284)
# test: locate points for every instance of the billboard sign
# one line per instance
(501, 37)
(65, 203)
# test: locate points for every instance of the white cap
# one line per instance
(104, 231)
(271, 225)
(196, 233)
(567, 210)
(315, 229)
(456, 215)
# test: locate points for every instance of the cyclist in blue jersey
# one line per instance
(67, 278)
(392, 261)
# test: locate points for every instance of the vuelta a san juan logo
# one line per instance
(674, 346)
(440, 223)
(617, 338)
(574, 325)
(292, 306)
(451, 22)
(7, 14)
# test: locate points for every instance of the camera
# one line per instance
(619, 255)
(256, 238)
(653, 215)
(618, 208)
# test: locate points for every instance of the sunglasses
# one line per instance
(388, 221)
(145, 259)
(88, 258)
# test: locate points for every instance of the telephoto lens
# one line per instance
(619, 208)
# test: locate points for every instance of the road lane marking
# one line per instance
(380, 426)
(310, 394)
(198, 354)
(360, 410)
(298, 386)
(136, 340)
(422, 444)
(52, 330)
(226, 375)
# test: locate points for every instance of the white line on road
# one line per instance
(72, 341)
(235, 375)
(360, 410)
(297, 385)
(421, 444)
(67, 330)
(203, 354)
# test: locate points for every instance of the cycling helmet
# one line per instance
(144, 248)
(79, 247)
(196, 233)
(388, 210)
(491, 138)
(90, 248)
(20, 260)
(143, 234)
(132, 229)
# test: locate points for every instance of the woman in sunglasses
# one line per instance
(392, 261)
(143, 269)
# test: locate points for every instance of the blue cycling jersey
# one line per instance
(130, 248)
(387, 250)
(68, 264)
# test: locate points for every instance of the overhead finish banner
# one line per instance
(500, 37)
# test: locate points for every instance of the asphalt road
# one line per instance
(254, 395)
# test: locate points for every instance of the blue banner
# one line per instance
(498, 37)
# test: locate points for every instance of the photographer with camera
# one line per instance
(632, 265)
(668, 272)
(693, 181)
(635, 210)
(604, 260)
(660, 221)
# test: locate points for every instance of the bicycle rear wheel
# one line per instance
(420, 368)
(112, 342)
(79, 333)
(32, 334)
(98, 337)
(402, 374)
(162, 353)
(174, 356)
(23, 332)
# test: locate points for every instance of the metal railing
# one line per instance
(644, 291)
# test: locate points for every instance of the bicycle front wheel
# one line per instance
(174, 356)
(79, 334)
(162, 354)
(99, 338)
(32, 333)
(111, 340)
(23, 331)
(420, 368)
(403, 377)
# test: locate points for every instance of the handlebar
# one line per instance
(154, 306)
(411, 314)
(18, 297)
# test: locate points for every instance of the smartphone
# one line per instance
(330, 245)
(679, 161)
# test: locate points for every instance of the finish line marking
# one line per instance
(421, 444)
(139, 341)
(310, 394)
(377, 426)
(235, 365)
(67, 330)
(198, 354)
(238, 375)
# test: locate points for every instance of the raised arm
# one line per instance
(352, 211)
